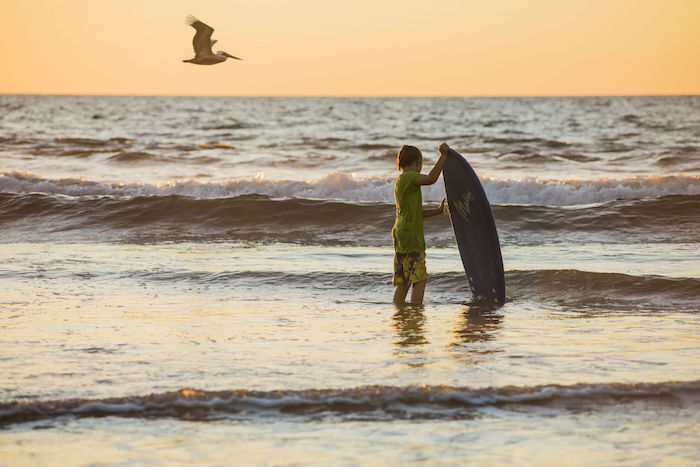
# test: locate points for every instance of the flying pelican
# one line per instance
(202, 43)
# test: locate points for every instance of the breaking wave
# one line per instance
(254, 217)
(347, 187)
(362, 403)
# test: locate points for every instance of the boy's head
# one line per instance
(408, 155)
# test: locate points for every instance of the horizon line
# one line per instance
(339, 96)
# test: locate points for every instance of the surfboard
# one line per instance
(475, 229)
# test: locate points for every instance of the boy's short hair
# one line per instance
(408, 155)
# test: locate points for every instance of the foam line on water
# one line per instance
(348, 187)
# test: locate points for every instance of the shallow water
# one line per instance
(164, 302)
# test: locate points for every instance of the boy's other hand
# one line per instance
(444, 148)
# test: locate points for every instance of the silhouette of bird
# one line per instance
(202, 43)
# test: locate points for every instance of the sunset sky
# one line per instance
(354, 48)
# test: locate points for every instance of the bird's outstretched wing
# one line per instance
(202, 38)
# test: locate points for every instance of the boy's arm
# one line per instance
(435, 212)
(434, 174)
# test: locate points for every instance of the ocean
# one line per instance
(207, 280)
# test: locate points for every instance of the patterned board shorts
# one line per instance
(409, 268)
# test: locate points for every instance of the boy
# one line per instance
(409, 242)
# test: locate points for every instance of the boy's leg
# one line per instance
(417, 292)
(400, 293)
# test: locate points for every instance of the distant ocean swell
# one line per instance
(362, 403)
(508, 149)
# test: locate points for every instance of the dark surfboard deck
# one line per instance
(475, 229)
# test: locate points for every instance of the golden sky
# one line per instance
(354, 47)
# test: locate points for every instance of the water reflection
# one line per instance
(409, 323)
(476, 330)
(479, 322)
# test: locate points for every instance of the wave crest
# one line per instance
(370, 402)
(255, 217)
(348, 187)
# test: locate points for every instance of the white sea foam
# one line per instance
(577, 192)
(346, 187)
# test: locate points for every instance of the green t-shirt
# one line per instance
(408, 228)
